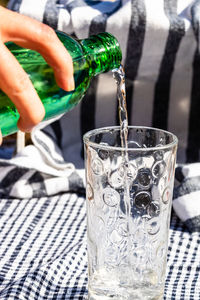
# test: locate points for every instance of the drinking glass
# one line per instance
(129, 196)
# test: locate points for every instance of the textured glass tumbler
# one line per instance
(129, 196)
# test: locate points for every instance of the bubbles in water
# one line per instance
(90, 192)
(142, 199)
(112, 219)
(115, 238)
(166, 195)
(162, 184)
(112, 255)
(116, 178)
(111, 197)
(160, 252)
(139, 256)
(153, 226)
(133, 189)
(97, 167)
(131, 172)
(122, 169)
(103, 154)
(137, 212)
(122, 228)
(127, 171)
(139, 161)
(139, 236)
(158, 155)
(158, 169)
(144, 177)
(153, 209)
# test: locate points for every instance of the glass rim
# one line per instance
(87, 135)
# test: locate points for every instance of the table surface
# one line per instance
(43, 251)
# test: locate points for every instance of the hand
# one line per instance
(14, 81)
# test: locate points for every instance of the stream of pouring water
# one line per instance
(119, 76)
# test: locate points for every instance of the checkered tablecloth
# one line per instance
(43, 251)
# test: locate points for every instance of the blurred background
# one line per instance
(3, 2)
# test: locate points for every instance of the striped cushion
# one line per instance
(161, 58)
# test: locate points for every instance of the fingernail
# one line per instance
(71, 84)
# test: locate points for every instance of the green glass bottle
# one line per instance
(97, 54)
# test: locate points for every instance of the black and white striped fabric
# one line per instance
(186, 201)
(43, 248)
(39, 170)
(43, 251)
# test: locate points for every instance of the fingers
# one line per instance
(16, 84)
(32, 34)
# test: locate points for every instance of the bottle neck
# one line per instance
(103, 52)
